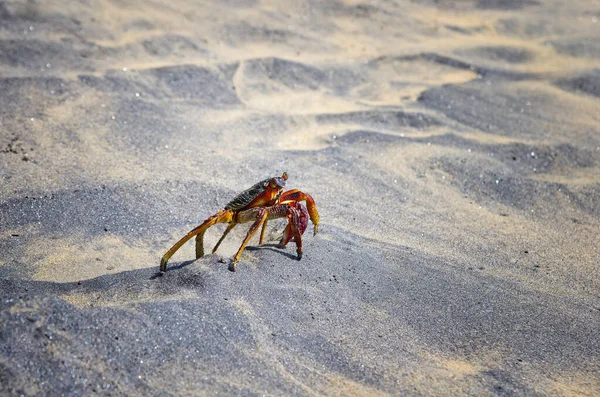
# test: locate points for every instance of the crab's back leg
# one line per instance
(220, 217)
(260, 216)
(229, 227)
(298, 195)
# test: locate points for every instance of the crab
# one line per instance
(264, 201)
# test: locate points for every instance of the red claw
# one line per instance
(302, 223)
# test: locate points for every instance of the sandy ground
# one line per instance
(452, 146)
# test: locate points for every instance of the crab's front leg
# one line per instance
(259, 215)
(262, 232)
(297, 217)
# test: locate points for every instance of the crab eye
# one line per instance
(273, 185)
(280, 182)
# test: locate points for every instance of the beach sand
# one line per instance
(452, 147)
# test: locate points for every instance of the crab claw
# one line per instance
(294, 196)
(302, 225)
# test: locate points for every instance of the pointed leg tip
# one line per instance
(163, 265)
(232, 267)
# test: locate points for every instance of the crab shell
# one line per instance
(248, 196)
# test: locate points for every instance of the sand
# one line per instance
(452, 147)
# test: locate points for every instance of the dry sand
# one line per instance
(452, 146)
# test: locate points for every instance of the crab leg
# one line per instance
(297, 217)
(229, 227)
(262, 232)
(260, 217)
(220, 217)
(296, 195)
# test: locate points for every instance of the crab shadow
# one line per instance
(220, 259)
(274, 248)
(171, 268)
(138, 278)
(147, 277)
